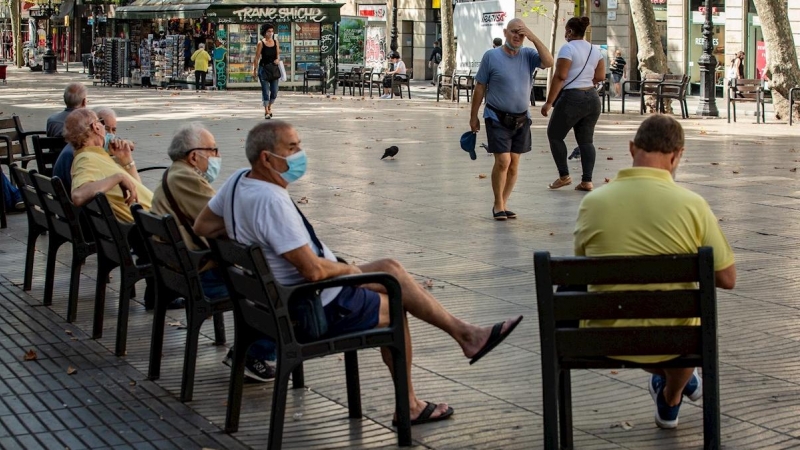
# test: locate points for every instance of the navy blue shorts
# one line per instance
(503, 140)
(354, 309)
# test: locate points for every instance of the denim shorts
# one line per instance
(616, 77)
(354, 309)
(504, 140)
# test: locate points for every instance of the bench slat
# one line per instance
(597, 342)
(626, 305)
(624, 269)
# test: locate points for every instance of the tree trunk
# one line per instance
(448, 46)
(16, 32)
(781, 54)
(552, 46)
(652, 58)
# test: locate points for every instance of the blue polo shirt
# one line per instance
(508, 79)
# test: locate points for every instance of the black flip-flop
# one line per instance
(499, 215)
(425, 415)
(494, 339)
(511, 214)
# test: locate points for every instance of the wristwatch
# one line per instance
(129, 165)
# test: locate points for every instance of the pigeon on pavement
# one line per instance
(390, 152)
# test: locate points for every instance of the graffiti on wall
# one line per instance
(220, 60)
(375, 48)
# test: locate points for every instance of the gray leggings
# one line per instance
(578, 110)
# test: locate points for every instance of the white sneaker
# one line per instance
(386, 96)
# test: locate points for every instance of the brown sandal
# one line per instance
(584, 186)
(560, 182)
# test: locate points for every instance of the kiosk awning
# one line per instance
(153, 9)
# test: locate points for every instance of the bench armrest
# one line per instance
(24, 134)
(145, 169)
(391, 284)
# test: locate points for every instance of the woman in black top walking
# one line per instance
(265, 67)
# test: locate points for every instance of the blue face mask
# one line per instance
(214, 165)
(297, 166)
(109, 137)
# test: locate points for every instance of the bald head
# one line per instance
(515, 23)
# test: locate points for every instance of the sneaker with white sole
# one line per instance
(666, 416)
(255, 369)
(694, 388)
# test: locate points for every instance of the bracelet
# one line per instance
(129, 165)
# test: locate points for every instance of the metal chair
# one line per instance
(314, 74)
(261, 308)
(37, 219)
(46, 150)
(398, 81)
(64, 225)
(565, 346)
(741, 90)
(672, 88)
(463, 81)
(114, 240)
(177, 270)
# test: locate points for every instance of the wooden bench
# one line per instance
(566, 346)
(745, 90)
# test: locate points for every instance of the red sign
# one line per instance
(761, 60)
(714, 10)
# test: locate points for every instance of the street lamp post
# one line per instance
(393, 43)
(708, 67)
(49, 57)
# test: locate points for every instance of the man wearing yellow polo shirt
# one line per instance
(96, 169)
(643, 212)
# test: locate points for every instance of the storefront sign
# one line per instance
(274, 15)
(372, 12)
(761, 60)
(489, 19)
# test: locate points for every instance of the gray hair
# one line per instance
(263, 136)
(201, 46)
(104, 112)
(186, 138)
(74, 95)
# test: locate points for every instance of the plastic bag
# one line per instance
(283, 71)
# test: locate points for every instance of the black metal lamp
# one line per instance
(708, 67)
(49, 58)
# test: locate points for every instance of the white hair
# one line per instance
(201, 46)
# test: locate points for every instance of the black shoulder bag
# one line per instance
(187, 224)
(307, 313)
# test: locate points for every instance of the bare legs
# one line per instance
(504, 177)
(424, 306)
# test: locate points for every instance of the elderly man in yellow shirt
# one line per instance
(643, 212)
(103, 164)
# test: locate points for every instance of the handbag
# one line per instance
(307, 313)
(271, 71)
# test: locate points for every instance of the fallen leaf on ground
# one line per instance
(303, 200)
(625, 425)
(714, 163)
(614, 372)
(703, 132)
(132, 383)
(427, 284)
(174, 324)
(793, 169)
(552, 234)
(71, 370)
(603, 148)
(481, 175)
(337, 195)
(30, 355)
(371, 182)
(736, 171)
(69, 332)
(449, 127)
(608, 180)
(609, 158)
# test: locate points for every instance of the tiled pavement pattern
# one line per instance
(429, 209)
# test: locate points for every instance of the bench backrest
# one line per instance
(175, 265)
(744, 89)
(110, 235)
(63, 216)
(8, 129)
(47, 150)
(256, 294)
(33, 203)
(649, 84)
(563, 340)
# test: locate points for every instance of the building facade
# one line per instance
(737, 27)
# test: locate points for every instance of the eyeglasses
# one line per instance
(213, 150)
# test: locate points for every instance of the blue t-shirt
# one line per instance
(507, 79)
(63, 166)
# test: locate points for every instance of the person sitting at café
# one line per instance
(183, 193)
(397, 73)
(254, 207)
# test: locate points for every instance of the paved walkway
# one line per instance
(430, 209)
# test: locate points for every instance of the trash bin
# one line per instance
(49, 63)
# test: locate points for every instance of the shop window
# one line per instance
(697, 17)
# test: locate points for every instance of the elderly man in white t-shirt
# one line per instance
(253, 206)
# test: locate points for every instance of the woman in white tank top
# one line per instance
(579, 67)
